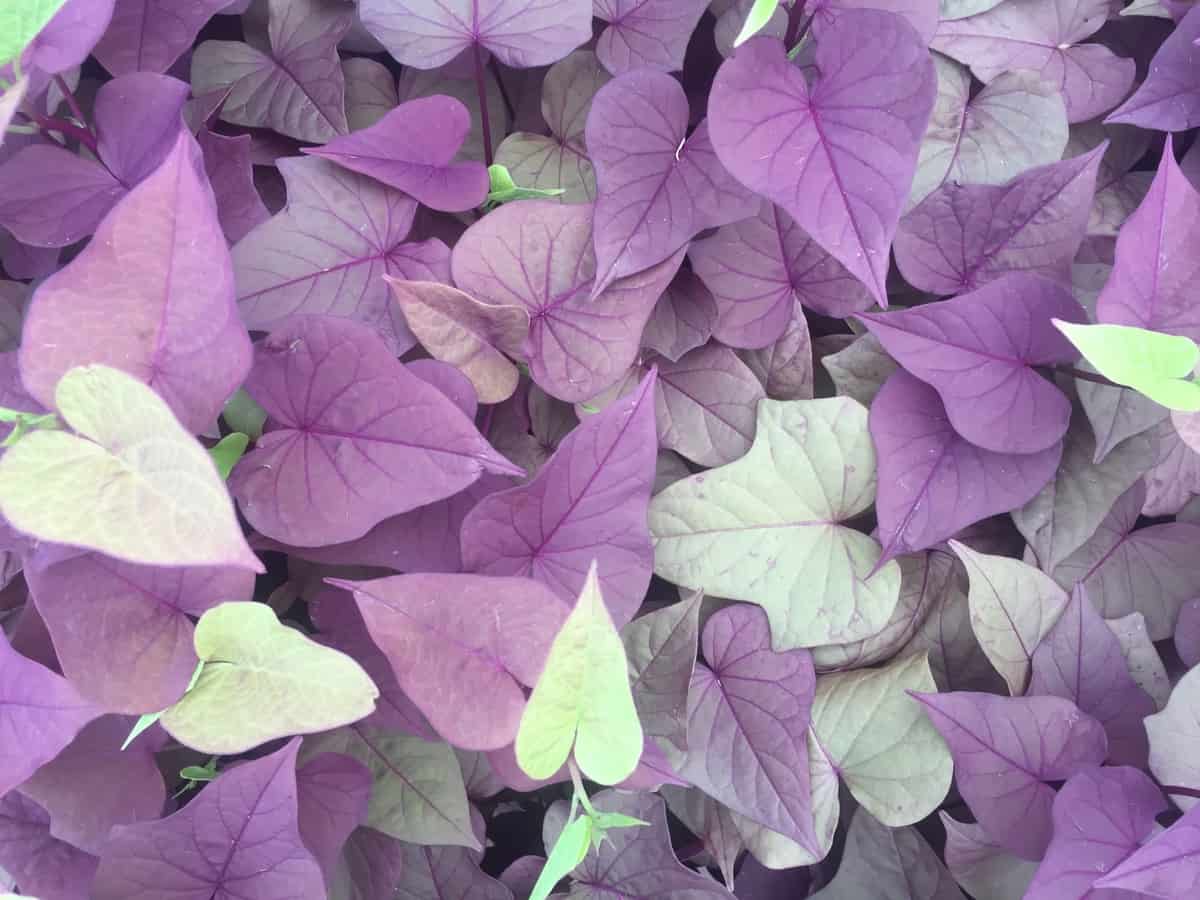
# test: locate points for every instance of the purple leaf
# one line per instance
(41, 710)
(238, 840)
(43, 865)
(359, 437)
(227, 163)
(1005, 750)
(748, 717)
(295, 86)
(933, 483)
(977, 351)
(714, 824)
(1175, 477)
(1043, 36)
(785, 368)
(1169, 98)
(457, 80)
(1152, 570)
(759, 268)
(651, 34)
(963, 236)
(588, 502)
(444, 873)
(412, 149)
(1154, 272)
(850, 140)
(519, 33)
(1100, 817)
(920, 14)
(1080, 660)
(461, 646)
(93, 785)
(539, 255)
(370, 91)
(332, 794)
(661, 648)
(327, 250)
(370, 867)
(657, 187)
(122, 631)
(682, 319)
(69, 37)
(980, 865)
(169, 319)
(149, 35)
(1166, 866)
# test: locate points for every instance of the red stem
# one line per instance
(797, 25)
(1087, 376)
(1179, 791)
(73, 103)
(481, 87)
(67, 129)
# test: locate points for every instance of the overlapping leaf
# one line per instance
(650, 34)
(1168, 99)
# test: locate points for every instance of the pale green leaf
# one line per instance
(583, 698)
(1154, 364)
(878, 738)
(417, 792)
(756, 20)
(767, 528)
(1013, 606)
(263, 680)
(569, 851)
(504, 189)
(131, 483)
(20, 22)
(228, 451)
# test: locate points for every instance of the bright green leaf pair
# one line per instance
(20, 22)
(583, 699)
(1156, 365)
(504, 189)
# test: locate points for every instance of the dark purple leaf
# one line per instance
(963, 236)
(149, 35)
(520, 33)
(977, 351)
(589, 502)
(444, 873)
(850, 140)
(370, 91)
(122, 631)
(1005, 750)
(238, 840)
(461, 646)
(326, 251)
(44, 866)
(933, 483)
(412, 149)
(370, 867)
(169, 319)
(657, 187)
(1169, 98)
(227, 163)
(757, 270)
(1100, 817)
(1043, 36)
(682, 319)
(295, 86)
(539, 255)
(650, 34)
(332, 794)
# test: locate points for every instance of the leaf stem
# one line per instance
(1179, 791)
(494, 67)
(1087, 376)
(481, 87)
(67, 129)
(74, 105)
(797, 26)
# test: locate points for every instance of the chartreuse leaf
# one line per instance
(20, 22)
(504, 189)
(569, 851)
(1154, 364)
(228, 451)
(756, 20)
(263, 680)
(131, 482)
(583, 699)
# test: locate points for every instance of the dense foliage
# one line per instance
(499, 449)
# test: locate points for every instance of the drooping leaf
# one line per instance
(933, 483)
(348, 452)
(661, 648)
(461, 646)
(238, 838)
(963, 236)
(1165, 866)
(656, 187)
(588, 502)
(582, 699)
(1168, 99)
(651, 34)
(149, 35)
(1100, 816)
(790, 142)
(519, 33)
(538, 254)
(1016, 122)
(1155, 364)
(1005, 750)
(131, 483)
(1043, 36)
(121, 631)
(767, 528)
(750, 705)
(332, 795)
(263, 680)
(412, 149)
(295, 86)
(470, 335)
(417, 794)
(978, 352)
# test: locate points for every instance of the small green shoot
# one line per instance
(242, 414)
(145, 721)
(228, 451)
(756, 20)
(505, 190)
(25, 422)
(196, 775)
